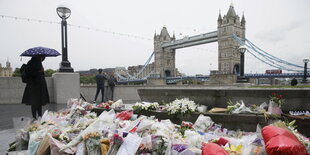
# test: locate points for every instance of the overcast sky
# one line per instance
(280, 27)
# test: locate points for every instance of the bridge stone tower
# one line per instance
(164, 57)
(228, 54)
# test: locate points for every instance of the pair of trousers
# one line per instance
(112, 92)
(102, 93)
(36, 109)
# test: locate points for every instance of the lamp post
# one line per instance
(306, 60)
(64, 13)
(242, 50)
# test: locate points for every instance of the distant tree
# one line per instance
(16, 72)
(49, 72)
(90, 79)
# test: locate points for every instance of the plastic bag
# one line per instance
(80, 149)
(124, 115)
(117, 104)
(130, 145)
(273, 108)
(55, 146)
(145, 124)
(212, 149)
(104, 120)
(33, 147)
(271, 131)
(241, 109)
(21, 137)
(44, 147)
(281, 141)
(25, 152)
(193, 138)
(203, 123)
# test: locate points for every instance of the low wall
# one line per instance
(129, 94)
(12, 89)
(295, 98)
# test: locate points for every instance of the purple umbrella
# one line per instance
(48, 52)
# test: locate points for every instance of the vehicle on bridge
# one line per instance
(273, 71)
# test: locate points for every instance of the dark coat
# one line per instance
(100, 79)
(111, 81)
(36, 90)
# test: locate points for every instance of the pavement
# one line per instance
(10, 112)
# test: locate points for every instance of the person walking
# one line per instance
(111, 82)
(100, 79)
(294, 82)
(36, 93)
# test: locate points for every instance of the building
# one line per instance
(141, 72)
(6, 71)
(164, 58)
(228, 53)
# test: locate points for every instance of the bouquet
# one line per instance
(277, 99)
(181, 107)
(60, 136)
(159, 145)
(104, 105)
(116, 142)
(179, 147)
(92, 143)
(145, 107)
(275, 103)
(185, 126)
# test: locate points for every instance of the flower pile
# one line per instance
(78, 131)
(181, 107)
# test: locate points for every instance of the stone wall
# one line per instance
(128, 94)
(222, 79)
(295, 98)
(12, 89)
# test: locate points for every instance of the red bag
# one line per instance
(222, 141)
(212, 149)
(281, 141)
(124, 115)
(272, 131)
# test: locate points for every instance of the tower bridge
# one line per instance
(230, 34)
(228, 55)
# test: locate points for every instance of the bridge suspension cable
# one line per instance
(267, 58)
(132, 77)
(267, 55)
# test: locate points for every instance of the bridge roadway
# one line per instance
(172, 80)
(192, 41)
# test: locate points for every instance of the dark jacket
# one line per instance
(111, 81)
(100, 78)
(36, 90)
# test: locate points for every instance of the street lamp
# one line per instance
(305, 60)
(242, 50)
(64, 13)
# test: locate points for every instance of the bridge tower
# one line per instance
(164, 57)
(228, 54)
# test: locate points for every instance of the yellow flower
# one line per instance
(233, 150)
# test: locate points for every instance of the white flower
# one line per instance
(181, 106)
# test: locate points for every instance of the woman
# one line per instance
(36, 93)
